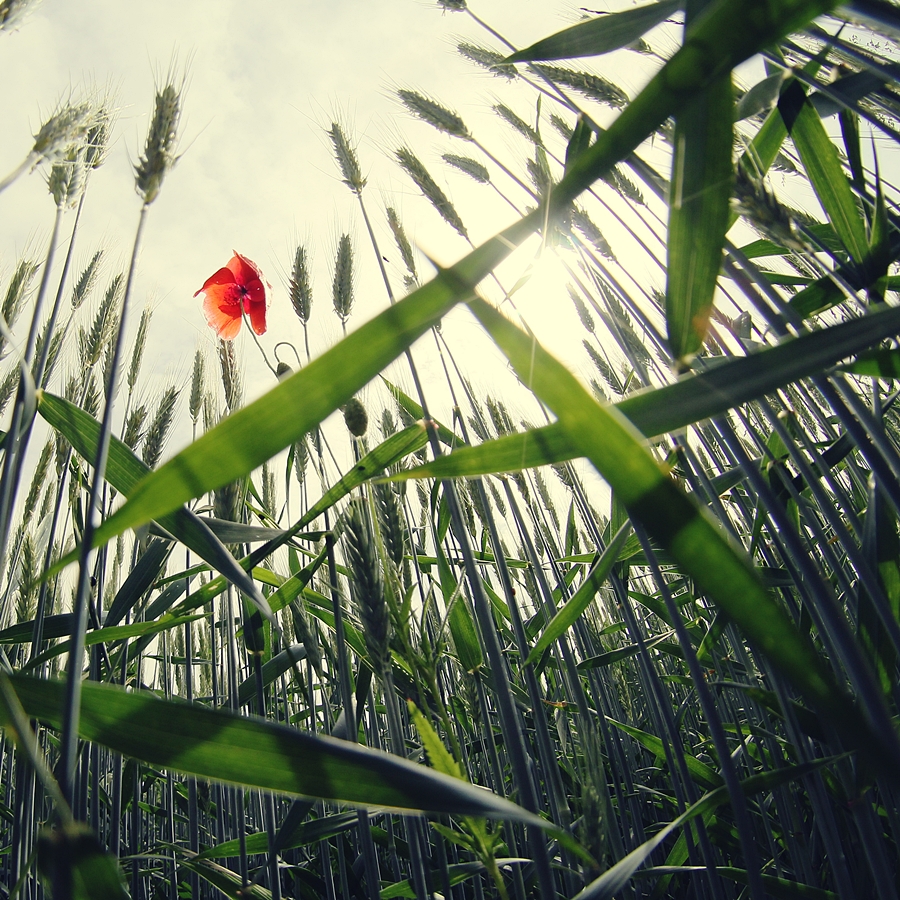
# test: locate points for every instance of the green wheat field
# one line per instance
(645, 644)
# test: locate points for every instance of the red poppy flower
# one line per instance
(234, 290)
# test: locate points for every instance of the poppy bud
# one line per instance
(282, 370)
(355, 417)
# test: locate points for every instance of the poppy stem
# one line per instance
(256, 341)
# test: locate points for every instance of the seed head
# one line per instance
(518, 123)
(355, 417)
(68, 125)
(434, 114)
(134, 427)
(562, 126)
(301, 459)
(474, 169)
(159, 427)
(488, 59)
(402, 242)
(86, 280)
(347, 159)
(618, 181)
(583, 312)
(592, 86)
(388, 424)
(97, 140)
(367, 589)
(37, 481)
(754, 200)
(227, 501)
(428, 186)
(300, 290)
(7, 386)
(539, 171)
(137, 353)
(66, 177)
(500, 417)
(583, 223)
(17, 291)
(162, 139)
(342, 286)
(53, 353)
(93, 341)
(231, 375)
(390, 521)
(306, 637)
(198, 379)
(269, 497)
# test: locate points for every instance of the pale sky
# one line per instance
(257, 170)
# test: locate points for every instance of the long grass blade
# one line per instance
(220, 745)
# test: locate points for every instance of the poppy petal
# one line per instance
(224, 317)
(258, 317)
(223, 276)
(256, 292)
(243, 269)
(223, 295)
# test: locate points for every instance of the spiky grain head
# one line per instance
(269, 496)
(488, 59)
(91, 399)
(355, 417)
(37, 481)
(162, 140)
(347, 160)
(500, 417)
(402, 242)
(137, 351)
(518, 123)
(160, 426)
(134, 427)
(228, 501)
(591, 86)
(755, 201)
(96, 144)
(301, 459)
(583, 312)
(413, 167)
(434, 114)
(367, 588)
(17, 291)
(474, 169)
(94, 339)
(582, 221)
(53, 353)
(305, 635)
(342, 285)
(86, 281)
(539, 172)
(8, 386)
(300, 287)
(66, 177)
(231, 375)
(390, 520)
(562, 126)
(198, 382)
(68, 125)
(388, 423)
